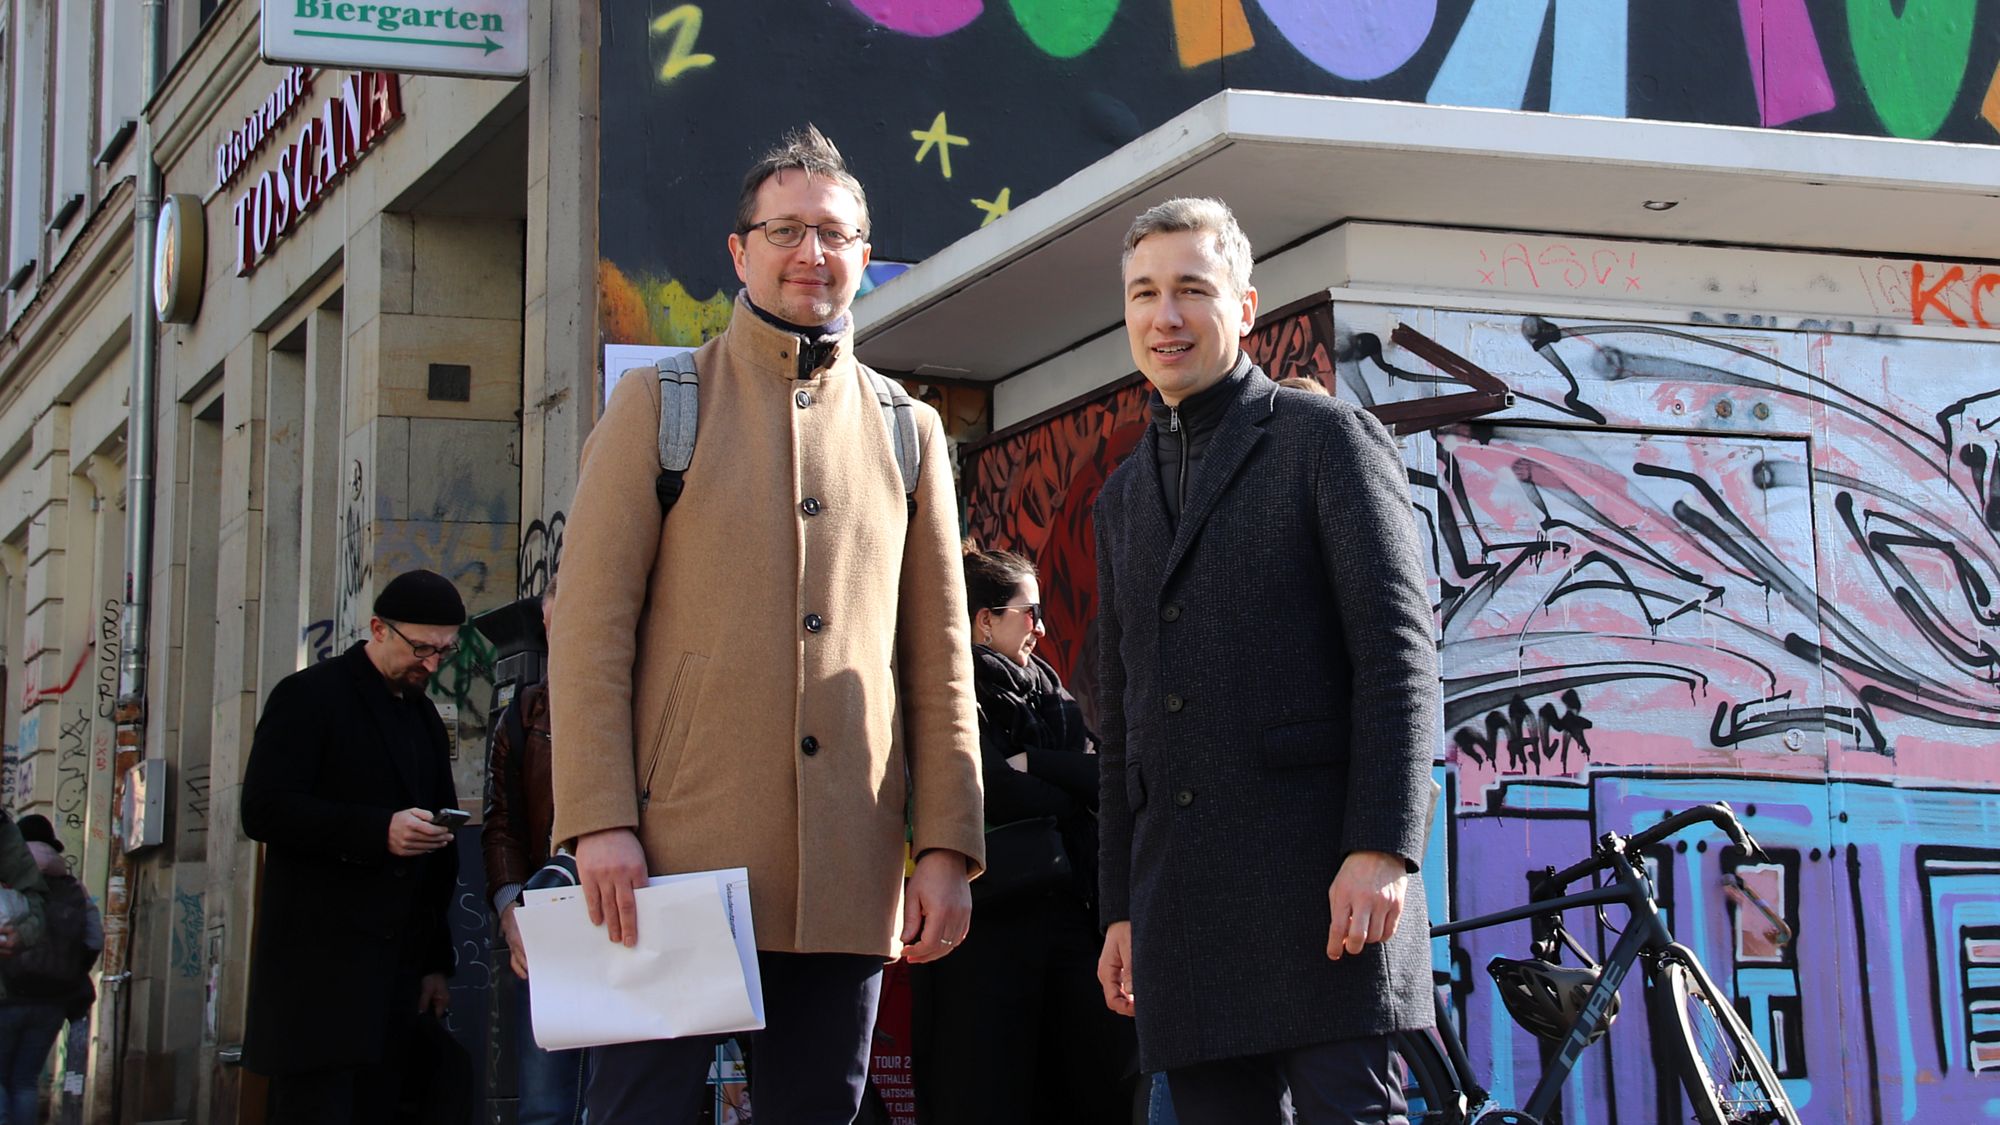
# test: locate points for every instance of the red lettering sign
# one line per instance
(328, 144)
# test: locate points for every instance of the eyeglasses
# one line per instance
(1032, 609)
(787, 233)
(424, 652)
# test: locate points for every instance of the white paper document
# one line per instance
(694, 971)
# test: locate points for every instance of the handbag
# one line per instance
(1023, 858)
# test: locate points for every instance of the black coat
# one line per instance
(344, 929)
(1269, 704)
(1027, 711)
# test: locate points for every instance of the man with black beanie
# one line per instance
(347, 772)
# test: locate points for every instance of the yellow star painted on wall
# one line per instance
(940, 136)
(995, 207)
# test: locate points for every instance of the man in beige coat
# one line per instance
(775, 676)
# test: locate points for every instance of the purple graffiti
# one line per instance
(926, 19)
(1358, 40)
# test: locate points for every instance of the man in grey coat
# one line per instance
(1269, 697)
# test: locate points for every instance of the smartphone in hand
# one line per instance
(453, 819)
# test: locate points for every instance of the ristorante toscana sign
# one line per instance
(326, 144)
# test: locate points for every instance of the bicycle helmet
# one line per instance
(1546, 998)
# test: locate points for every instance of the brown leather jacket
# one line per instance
(520, 804)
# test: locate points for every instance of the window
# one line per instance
(120, 25)
(27, 182)
(70, 114)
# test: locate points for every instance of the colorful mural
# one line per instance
(954, 111)
(1690, 564)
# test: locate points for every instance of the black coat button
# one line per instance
(1171, 613)
(810, 505)
(814, 622)
(808, 746)
(1175, 703)
(1184, 798)
(803, 398)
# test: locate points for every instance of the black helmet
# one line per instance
(1546, 998)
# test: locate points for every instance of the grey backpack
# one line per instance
(680, 412)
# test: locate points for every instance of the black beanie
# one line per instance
(36, 827)
(420, 597)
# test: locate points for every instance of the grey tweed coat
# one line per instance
(1269, 697)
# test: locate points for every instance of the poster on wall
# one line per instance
(620, 358)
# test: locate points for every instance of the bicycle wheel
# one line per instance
(1426, 1074)
(1725, 1073)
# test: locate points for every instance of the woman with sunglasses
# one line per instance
(1012, 1027)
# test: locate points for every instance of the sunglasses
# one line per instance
(1032, 609)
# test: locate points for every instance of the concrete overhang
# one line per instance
(1044, 277)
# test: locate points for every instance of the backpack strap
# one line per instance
(900, 416)
(680, 411)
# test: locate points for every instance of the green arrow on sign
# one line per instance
(489, 46)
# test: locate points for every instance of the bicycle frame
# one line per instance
(1646, 932)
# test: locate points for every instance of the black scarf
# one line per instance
(1025, 704)
(817, 345)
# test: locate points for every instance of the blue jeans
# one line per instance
(549, 1084)
(1160, 1105)
(27, 1031)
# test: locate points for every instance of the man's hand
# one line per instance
(9, 940)
(937, 906)
(411, 833)
(510, 932)
(432, 995)
(611, 865)
(1114, 968)
(1367, 899)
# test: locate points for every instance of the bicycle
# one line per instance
(1727, 1078)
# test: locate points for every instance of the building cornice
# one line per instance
(184, 109)
(86, 276)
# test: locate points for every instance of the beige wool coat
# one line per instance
(692, 702)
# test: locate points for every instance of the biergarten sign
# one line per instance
(478, 39)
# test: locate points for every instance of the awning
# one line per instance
(1045, 276)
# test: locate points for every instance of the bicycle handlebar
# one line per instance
(1717, 813)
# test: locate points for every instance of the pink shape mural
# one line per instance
(1785, 62)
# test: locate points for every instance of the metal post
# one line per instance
(115, 1015)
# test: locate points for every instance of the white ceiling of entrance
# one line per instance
(1045, 276)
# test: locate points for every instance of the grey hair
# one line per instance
(810, 152)
(1202, 215)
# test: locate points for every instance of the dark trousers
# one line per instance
(1012, 1027)
(1345, 1082)
(807, 1067)
(362, 1095)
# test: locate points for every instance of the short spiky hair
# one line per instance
(810, 152)
(1203, 215)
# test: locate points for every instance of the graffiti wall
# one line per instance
(955, 111)
(1690, 564)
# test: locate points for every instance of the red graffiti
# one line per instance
(36, 695)
(1961, 301)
